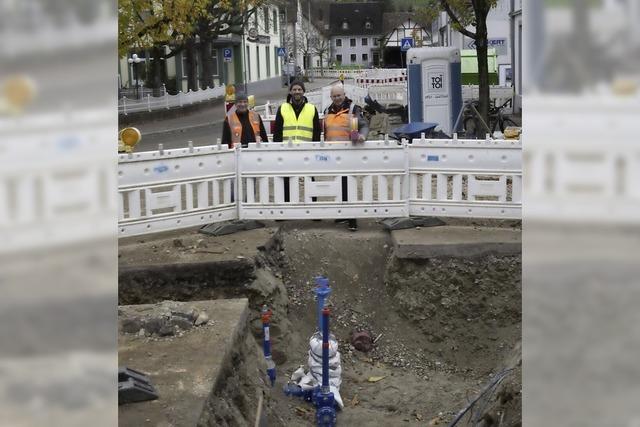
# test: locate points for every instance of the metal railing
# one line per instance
(171, 189)
(151, 103)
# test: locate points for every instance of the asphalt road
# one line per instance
(202, 127)
(200, 135)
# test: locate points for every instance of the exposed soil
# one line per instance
(445, 328)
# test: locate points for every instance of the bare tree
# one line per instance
(321, 48)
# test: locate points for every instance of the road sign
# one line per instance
(227, 52)
(282, 52)
(406, 44)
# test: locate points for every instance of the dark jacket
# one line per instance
(277, 132)
(363, 125)
(247, 131)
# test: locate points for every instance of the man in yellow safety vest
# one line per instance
(296, 120)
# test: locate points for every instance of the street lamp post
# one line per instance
(134, 60)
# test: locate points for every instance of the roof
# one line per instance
(392, 20)
(356, 15)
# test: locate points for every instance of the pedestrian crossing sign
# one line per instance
(406, 44)
(282, 52)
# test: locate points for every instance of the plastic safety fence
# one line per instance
(171, 189)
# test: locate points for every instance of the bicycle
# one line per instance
(473, 123)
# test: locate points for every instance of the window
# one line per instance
(268, 54)
(352, 42)
(258, 60)
(214, 61)
(365, 57)
(317, 62)
(345, 25)
(275, 21)
(375, 41)
(184, 64)
(365, 41)
(338, 42)
(265, 11)
(354, 58)
(320, 15)
(339, 59)
(367, 25)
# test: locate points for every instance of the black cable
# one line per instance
(499, 377)
(487, 398)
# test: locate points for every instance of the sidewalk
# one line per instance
(215, 113)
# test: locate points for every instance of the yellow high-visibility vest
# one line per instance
(299, 128)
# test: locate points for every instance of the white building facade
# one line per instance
(254, 57)
(362, 50)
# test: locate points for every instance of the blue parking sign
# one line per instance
(406, 44)
(282, 52)
(227, 53)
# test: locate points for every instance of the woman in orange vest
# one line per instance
(343, 121)
(242, 126)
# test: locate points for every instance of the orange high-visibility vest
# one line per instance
(338, 126)
(236, 126)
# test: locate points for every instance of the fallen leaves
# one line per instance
(376, 379)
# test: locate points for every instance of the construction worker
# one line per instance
(343, 121)
(296, 120)
(242, 126)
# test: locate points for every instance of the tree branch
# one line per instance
(461, 29)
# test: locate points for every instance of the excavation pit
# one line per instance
(445, 320)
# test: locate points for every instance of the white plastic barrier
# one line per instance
(330, 73)
(56, 179)
(150, 103)
(382, 76)
(173, 189)
(316, 170)
(576, 175)
(476, 178)
(389, 94)
(169, 189)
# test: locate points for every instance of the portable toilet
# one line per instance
(433, 86)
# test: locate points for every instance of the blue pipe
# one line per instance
(325, 402)
(323, 290)
(266, 344)
(325, 350)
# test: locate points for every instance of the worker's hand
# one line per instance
(360, 139)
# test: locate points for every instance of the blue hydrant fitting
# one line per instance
(266, 344)
(322, 290)
(324, 401)
(321, 396)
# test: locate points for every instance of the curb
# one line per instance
(181, 129)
